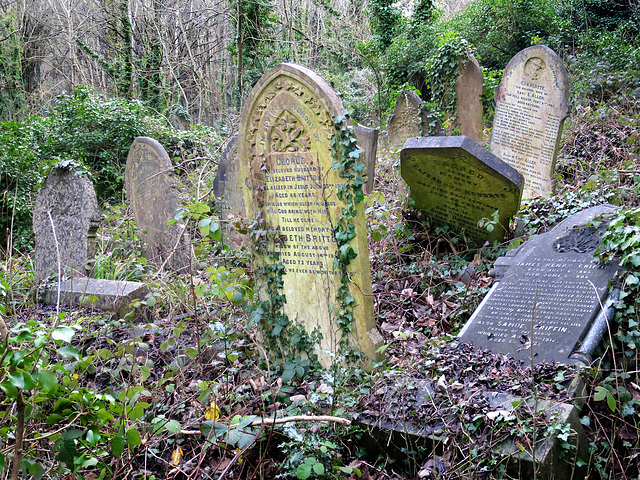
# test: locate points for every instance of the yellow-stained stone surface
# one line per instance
(285, 160)
(531, 105)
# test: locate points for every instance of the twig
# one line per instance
(294, 418)
(301, 418)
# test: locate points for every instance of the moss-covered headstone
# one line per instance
(65, 221)
(456, 182)
(151, 190)
(291, 192)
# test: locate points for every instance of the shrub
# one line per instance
(501, 28)
(90, 130)
(21, 168)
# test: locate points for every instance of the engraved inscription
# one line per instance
(290, 190)
(530, 109)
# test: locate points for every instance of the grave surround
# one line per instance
(290, 187)
(549, 296)
(456, 182)
(531, 106)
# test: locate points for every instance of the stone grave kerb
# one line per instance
(286, 129)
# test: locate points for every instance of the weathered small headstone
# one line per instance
(469, 86)
(456, 182)
(368, 143)
(531, 105)
(227, 189)
(286, 129)
(409, 119)
(150, 188)
(549, 297)
(65, 220)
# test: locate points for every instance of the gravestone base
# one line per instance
(403, 438)
(110, 295)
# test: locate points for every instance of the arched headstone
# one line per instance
(68, 201)
(150, 188)
(531, 105)
(285, 137)
(409, 119)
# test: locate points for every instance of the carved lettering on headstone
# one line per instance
(68, 200)
(531, 105)
(456, 182)
(284, 146)
(548, 296)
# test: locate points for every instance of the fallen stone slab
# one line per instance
(411, 419)
(116, 296)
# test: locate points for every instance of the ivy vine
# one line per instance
(288, 339)
(346, 160)
(442, 70)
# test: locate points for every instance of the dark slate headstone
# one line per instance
(150, 188)
(550, 294)
(456, 182)
(368, 143)
(68, 200)
(227, 189)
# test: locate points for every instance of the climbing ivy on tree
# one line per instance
(385, 21)
(12, 93)
(252, 47)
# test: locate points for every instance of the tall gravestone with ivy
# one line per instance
(303, 187)
(531, 105)
(65, 221)
(150, 188)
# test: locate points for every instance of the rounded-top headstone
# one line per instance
(150, 188)
(531, 106)
(284, 146)
(65, 217)
(409, 119)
